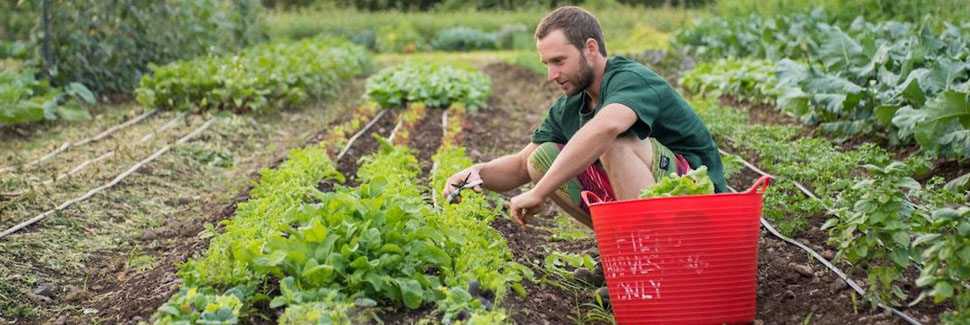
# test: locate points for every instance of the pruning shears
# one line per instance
(464, 184)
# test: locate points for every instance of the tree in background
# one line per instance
(107, 45)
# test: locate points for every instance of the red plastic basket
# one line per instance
(681, 260)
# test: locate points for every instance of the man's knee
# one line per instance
(626, 147)
(541, 159)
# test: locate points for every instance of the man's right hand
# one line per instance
(471, 174)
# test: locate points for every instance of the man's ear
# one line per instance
(592, 47)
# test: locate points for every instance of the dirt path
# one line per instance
(505, 127)
(112, 258)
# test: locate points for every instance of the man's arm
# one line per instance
(507, 172)
(501, 174)
(587, 145)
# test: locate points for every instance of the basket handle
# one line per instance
(760, 185)
(586, 198)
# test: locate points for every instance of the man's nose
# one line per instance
(553, 74)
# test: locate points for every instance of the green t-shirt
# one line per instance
(663, 114)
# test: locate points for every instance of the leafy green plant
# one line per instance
(946, 261)
(25, 99)
(694, 182)
(897, 79)
(942, 126)
(365, 243)
(433, 84)
(194, 306)
(208, 155)
(905, 10)
(751, 80)
(336, 255)
(332, 310)
(279, 191)
(772, 38)
(877, 228)
(264, 77)
(463, 39)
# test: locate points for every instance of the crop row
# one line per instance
(902, 81)
(331, 256)
(431, 84)
(263, 77)
(937, 127)
(880, 219)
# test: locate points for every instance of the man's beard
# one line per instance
(585, 76)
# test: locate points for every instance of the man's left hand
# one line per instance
(524, 206)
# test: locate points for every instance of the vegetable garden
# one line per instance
(281, 163)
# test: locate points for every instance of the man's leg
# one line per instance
(632, 164)
(627, 167)
(566, 197)
(629, 164)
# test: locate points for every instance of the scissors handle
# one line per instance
(455, 194)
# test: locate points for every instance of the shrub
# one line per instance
(463, 39)
(107, 45)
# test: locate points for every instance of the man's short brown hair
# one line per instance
(577, 25)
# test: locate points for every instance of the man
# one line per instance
(618, 129)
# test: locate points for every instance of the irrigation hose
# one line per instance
(80, 167)
(69, 144)
(400, 123)
(360, 133)
(113, 182)
(434, 166)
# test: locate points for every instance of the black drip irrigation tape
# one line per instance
(771, 229)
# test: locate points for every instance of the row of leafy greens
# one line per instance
(907, 82)
(432, 84)
(335, 255)
(264, 77)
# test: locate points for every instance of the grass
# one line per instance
(473, 59)
(11, 64)
(625, 28)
